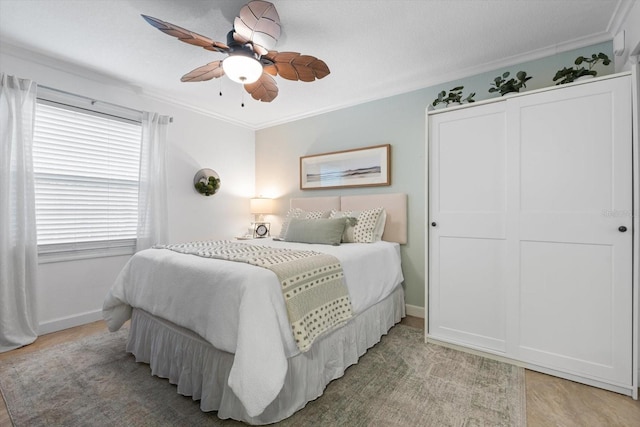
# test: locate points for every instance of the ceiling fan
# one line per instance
(251, 59)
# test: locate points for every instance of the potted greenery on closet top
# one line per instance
(568, 75)
(505, 86)
(453, 97)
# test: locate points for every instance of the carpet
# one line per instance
(400, 382)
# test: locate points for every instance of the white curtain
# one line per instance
(152, 195)
(18, 239)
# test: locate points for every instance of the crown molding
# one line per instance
(160, 97)
(452, 76)
(619, 15)
(97, 76)
(100, 77)
(78, 70)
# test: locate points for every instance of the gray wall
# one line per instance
(397, 120)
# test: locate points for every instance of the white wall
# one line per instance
(71, 293)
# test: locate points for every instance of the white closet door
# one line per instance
(467, 234)
(575, 202)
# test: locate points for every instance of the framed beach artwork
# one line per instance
(360, 167)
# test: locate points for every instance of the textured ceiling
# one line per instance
(374, 48)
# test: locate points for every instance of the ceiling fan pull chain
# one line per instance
(242, 99)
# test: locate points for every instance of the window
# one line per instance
(86, 166)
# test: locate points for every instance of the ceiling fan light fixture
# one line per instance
(252, 61)
(242, 69)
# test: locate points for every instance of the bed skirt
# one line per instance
(201, 371)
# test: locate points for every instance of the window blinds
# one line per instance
(86, 178)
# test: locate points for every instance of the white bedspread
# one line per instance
(239, 308)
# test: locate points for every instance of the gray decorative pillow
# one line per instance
(368, 228)
(324, 231)
(300, 214)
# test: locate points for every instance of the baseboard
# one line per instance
(69, 322)
(414, 310)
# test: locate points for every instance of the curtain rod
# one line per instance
(93, 101)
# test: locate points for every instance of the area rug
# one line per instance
(400, 382)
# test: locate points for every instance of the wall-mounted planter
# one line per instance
(206, 182)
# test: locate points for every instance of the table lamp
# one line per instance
(260, 206)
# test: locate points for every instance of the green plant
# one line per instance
(504, 86)
(453, 96)
(209, 186)
(568, 75)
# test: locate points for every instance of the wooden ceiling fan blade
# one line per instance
(263, 40)
(320, 68)
(270, 69)
(276, 56)
(287, 71)
(307, 68)
(294, 66)
(265, 89)
(212, 70)
(238, 38)
(309, 63)
(259, 22)
(305, 74)
(185, 35)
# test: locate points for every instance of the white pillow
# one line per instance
(369, 227)
(300, 214)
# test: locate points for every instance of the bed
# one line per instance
(236, 354)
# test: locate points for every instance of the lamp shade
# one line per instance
(242, 69)
(260, 205)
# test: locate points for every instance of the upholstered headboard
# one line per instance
(395, 204)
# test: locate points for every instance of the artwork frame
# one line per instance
(358, 167)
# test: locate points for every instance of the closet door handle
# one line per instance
(622, 229)
(433, 224)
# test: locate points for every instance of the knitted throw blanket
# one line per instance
(312, 283)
